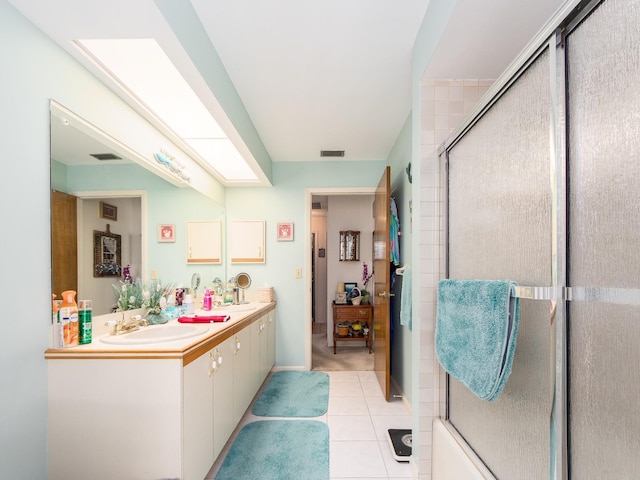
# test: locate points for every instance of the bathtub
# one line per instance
(452, 458)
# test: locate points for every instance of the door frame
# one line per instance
(309, 193)
(106, 194)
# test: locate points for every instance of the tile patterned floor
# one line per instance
(358, 419)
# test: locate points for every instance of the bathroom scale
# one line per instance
(401, 442)
(204, 319)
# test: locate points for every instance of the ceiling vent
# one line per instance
(105, 156)
(332, 153)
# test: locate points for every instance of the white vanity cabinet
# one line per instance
(143, 414)
(223, 421)
(198, 388)
(243, 390)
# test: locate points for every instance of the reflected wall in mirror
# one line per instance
(86, 171)
(204, 242)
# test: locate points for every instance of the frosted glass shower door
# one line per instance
(604, 232)
(499, 227)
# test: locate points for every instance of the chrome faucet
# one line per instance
(118, 327)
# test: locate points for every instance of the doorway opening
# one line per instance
(328, 211)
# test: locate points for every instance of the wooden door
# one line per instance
(382, 285)
(64, 243)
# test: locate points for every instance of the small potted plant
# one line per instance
(366, 276)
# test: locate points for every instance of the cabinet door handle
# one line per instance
(216, 361)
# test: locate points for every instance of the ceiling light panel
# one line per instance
(223, 157)
(145, 70)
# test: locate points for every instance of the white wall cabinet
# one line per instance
(204, 242)
(247, 242)
(150, 417)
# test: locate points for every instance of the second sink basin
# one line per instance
(243, 307)
(155, 334)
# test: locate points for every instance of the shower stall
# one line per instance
(543, 187)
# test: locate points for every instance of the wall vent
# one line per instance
(105, 156)
(332, 153)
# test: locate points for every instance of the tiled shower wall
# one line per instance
(445, 104)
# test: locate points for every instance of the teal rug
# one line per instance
(294, 394)
(278, 450)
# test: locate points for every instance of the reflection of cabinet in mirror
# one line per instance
(349, 246)
(204, 242)
(247, 242)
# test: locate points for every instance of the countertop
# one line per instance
(187, 349)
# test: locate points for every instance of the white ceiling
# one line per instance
(330, 74)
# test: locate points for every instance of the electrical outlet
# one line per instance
(298, 273)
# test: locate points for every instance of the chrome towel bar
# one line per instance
(618, 296)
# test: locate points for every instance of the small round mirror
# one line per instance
(243, 280)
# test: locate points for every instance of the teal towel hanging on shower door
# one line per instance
(476, 331)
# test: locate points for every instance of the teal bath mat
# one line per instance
(278, 450)
(294, 394)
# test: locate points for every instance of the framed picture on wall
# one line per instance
(166, 232)
(285, 232)
(349, 286)
(110, 212)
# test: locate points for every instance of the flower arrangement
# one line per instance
(153, 294)
(366, 276)
(133, 294)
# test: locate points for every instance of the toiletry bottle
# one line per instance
(84, 321)
(69, 318)
(206, 301)
(188, 304)
(55, 319)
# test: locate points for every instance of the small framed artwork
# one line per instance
(109, 212)
(349, 286)
(341, 298)
(285, 232)
(166, 232)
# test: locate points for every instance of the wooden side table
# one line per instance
(350, 314)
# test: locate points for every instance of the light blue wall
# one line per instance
(166, 203)
(285, 202)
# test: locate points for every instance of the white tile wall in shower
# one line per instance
(445, 104)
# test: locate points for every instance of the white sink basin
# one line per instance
(236, 308)
(155, 334)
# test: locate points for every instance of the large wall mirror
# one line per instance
(90, 169)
